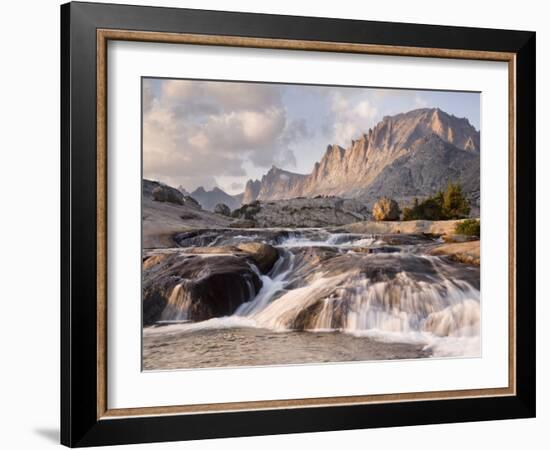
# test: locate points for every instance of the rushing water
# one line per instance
(378, 297)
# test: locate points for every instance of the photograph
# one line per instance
(305, 224)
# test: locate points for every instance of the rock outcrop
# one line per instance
(161, 220)
(163, 193)
(385, 209)
(427, 227)
(303, 212)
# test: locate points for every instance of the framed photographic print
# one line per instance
(276, 224)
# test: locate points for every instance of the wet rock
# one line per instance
(152, 260)
(306, 318)
(309, 318)
(196, 238)
(314, 256)
(196, 287)
(464, 252)
(381, 266)
(221, 237)
(456, 319)
(262, 255)
(376, 249)
(265, 256)
(213, 250)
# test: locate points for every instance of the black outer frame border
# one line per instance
(79, 425)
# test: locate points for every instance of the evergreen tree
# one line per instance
(450, 204)
(455, 205)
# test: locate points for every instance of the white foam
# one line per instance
(210, 324)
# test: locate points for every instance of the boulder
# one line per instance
(263, 255)
(180, 286)
(385, 209)
(223, 209)
(163, 193)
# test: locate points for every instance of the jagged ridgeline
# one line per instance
(408, 155)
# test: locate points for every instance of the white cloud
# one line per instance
(351, 115)
(419, 101)
(199, 132)
(195, 130)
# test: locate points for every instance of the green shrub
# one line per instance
(450, 204)
(469, 227)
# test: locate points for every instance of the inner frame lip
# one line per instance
(104, 35)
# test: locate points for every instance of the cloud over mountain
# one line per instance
(195, 131)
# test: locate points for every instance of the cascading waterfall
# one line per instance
(401, 308)
(407, 297)
(271, 285)
(351, 302)
(178, 305)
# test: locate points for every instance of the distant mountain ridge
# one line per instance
(209, 199)
(405, 155)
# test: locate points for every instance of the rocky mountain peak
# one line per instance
(278, 184)
(274, 171)
(350, 171)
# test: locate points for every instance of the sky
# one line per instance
(220, 133)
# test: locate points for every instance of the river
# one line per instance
(330, 297)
